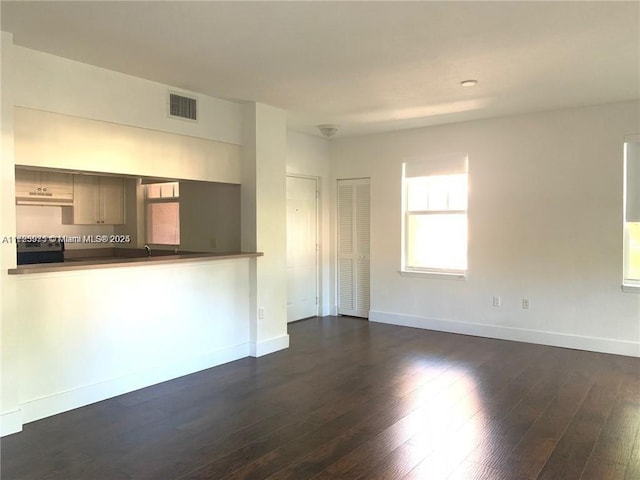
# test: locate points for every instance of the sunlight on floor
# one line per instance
(446, 424)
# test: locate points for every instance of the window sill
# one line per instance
(438, 275)
(631, 288)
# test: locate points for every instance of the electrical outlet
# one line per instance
(525, 303)
(213, 242)
(261, 313)
(497, 302)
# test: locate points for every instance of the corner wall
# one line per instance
(264, 225)
(10, 416)
(309, 156)
(545, 223)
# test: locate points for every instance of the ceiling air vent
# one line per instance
(182, 107)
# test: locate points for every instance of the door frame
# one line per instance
(317, 181)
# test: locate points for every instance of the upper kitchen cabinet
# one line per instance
(42, 187)
(97, 200)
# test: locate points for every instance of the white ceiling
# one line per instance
(365, 66)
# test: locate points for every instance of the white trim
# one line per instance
(407, 214)
(437, 212)
(437, 275)
(64, 401)
(556, 339)
(266, 347)
(10, 422)
(631, 288)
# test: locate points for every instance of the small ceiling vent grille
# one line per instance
(182, 107)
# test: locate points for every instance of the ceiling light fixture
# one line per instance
(328, 130)
(469, 83)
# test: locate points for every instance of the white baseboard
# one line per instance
(61, 402)
(10, 422)
(593, 344)
(269, 346)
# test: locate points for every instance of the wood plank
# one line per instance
(574, 448)
(357, 400)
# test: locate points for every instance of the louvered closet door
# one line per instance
(353, 247)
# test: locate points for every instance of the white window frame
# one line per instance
(631, 194)
(455, 169)
(172, 197)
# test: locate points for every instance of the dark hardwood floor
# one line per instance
(358, 400)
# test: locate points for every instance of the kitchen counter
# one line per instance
(87, 263)
(96, 328)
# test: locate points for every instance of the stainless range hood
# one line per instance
(44, 201)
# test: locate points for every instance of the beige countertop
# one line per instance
(111, 262)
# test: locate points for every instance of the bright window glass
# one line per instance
(435, 223)
(163, 223)
(163, 213)
(162, 190)
(631, 266)
(632, 274)
(437, 241)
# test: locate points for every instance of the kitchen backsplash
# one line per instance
(47, 220)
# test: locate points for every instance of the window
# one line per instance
(163, 213)
(631, 281)
(435, 216)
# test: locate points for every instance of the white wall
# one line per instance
(309, 156)
(545, 223)
(56, 84)
(264, 224)
(94, 334)
(46, 139)
(10, 418)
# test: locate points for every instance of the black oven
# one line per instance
(39, 250)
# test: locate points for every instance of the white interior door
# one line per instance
(353, 247)
(302, 247)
